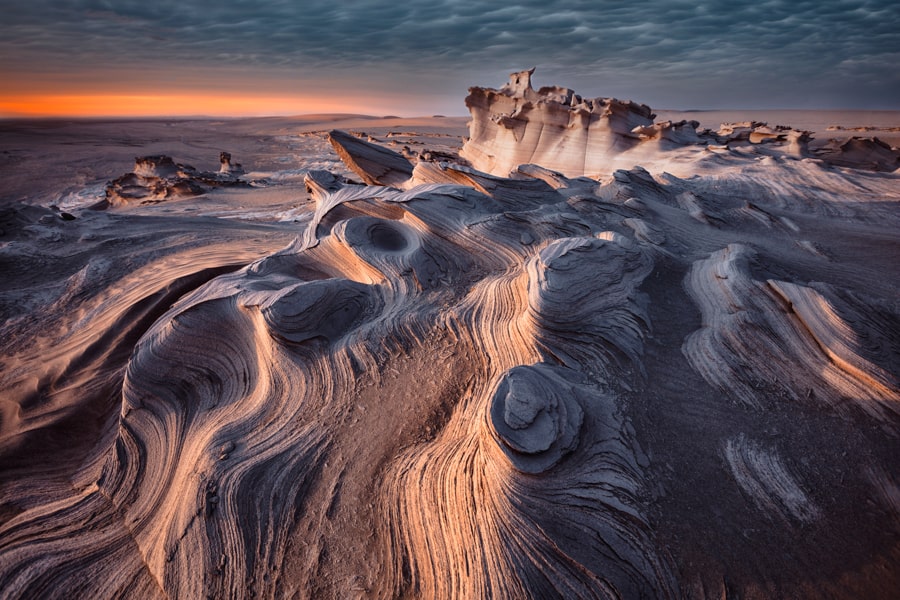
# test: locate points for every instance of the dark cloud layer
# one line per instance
(700, 54)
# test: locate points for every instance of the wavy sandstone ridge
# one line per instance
(799, 339)
(465, 386)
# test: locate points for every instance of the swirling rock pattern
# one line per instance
(581, 290)
(465, 386)
(536, 417)
(763, 477)
(801, 347)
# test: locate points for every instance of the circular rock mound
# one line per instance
(536, 416)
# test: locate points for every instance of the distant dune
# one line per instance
(576, 350)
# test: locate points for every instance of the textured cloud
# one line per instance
(672, 52)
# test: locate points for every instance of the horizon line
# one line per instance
(208, 106)
(366, 115)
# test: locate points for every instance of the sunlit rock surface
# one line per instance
(375, 164)
(553, 127)
(560, 130)
(457, 384)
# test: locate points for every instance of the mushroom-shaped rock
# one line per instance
(226, 167)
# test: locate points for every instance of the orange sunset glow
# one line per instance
(184, 104)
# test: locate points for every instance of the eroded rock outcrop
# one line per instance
(375, 164)
(159, 178)
(862, 153)
(553, 127)
(559, 130)
(794, 142)
(226, 167)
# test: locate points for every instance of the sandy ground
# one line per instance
(238, 395)
(46, 161)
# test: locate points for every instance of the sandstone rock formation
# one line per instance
(559, 130)
(226, 167)
(553, 127)
(861, 152)
(159, 178)
(375, 164)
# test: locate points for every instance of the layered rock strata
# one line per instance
(560, 130)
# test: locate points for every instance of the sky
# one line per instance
(415, 57)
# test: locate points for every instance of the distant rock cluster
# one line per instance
(158, 178)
